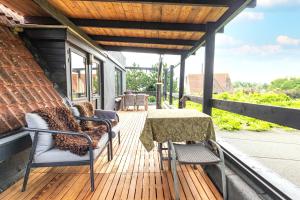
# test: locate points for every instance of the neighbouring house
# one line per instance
(194, 83)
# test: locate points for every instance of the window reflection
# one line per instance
(96, 79)
(118, 82)
(79, 80)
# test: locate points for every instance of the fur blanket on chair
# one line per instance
(86, 109)
(60, 118)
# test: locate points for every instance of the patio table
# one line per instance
(178, 125)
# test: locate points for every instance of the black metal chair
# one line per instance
(66, 158)
(205, 153)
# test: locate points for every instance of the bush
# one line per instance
(232, 122)
(151, 99)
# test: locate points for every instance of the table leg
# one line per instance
(169, 155)
(160, 155)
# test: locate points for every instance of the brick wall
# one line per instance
(23, 85)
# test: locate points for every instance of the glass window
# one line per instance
(118, 82)
(96, 78)
(79, 76)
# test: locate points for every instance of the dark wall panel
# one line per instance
(50, 46)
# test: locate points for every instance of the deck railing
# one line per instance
(283, 116)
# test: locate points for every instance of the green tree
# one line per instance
(289, 86)
(142, 81)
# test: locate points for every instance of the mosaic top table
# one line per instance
(178, 125)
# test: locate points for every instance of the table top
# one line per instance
(177, 125)
(175, 113)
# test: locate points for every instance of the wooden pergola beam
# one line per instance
(107, 38)
(144, 50)
(97, 23)
(213, 3)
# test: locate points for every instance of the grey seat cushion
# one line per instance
(57, 155)
(106, 114)
(195, 154)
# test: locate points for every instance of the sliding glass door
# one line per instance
(79, 72)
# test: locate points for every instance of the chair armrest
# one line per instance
(106, 114)
(54, 132)
(217, 147)
(106, 122)
(117, 117)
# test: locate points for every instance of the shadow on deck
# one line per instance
(132, 174)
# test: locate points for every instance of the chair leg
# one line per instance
(108, 152)
(175, 178)
(223, 176)
(111, 150)
(27, 172)
(119, 137)
(92, 175)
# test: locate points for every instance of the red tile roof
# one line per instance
(194, 83)
(23, 84)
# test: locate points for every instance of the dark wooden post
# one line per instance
(209, 69)
(158, 84)
(181, 81)
(165, 83)
(171, 85)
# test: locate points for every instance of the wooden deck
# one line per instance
(132, 174)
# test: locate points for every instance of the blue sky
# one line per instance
(259, 45)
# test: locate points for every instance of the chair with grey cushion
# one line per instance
(141, 100)
(108, 116)
(44, 153)
(129, 100)
(205, 153)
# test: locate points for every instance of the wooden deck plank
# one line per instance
(133, 173)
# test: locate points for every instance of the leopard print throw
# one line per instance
(60, 118)
(86, 110)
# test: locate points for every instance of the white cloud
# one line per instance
(226, 40)
(226, 43)
(285, 40)
(250, 16)
(256, 49)
(272, 3)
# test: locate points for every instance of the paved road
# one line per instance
(276, 149)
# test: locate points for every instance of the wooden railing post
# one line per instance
(209, 69)
(171, 85)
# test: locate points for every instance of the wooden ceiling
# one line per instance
(167, 25)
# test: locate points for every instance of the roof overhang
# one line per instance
(164, 27)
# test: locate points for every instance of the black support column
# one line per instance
(181, 80)
(165, 83)
(209, 69)
(171, 85)
(159, 84)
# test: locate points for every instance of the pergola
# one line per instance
(164, 27)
